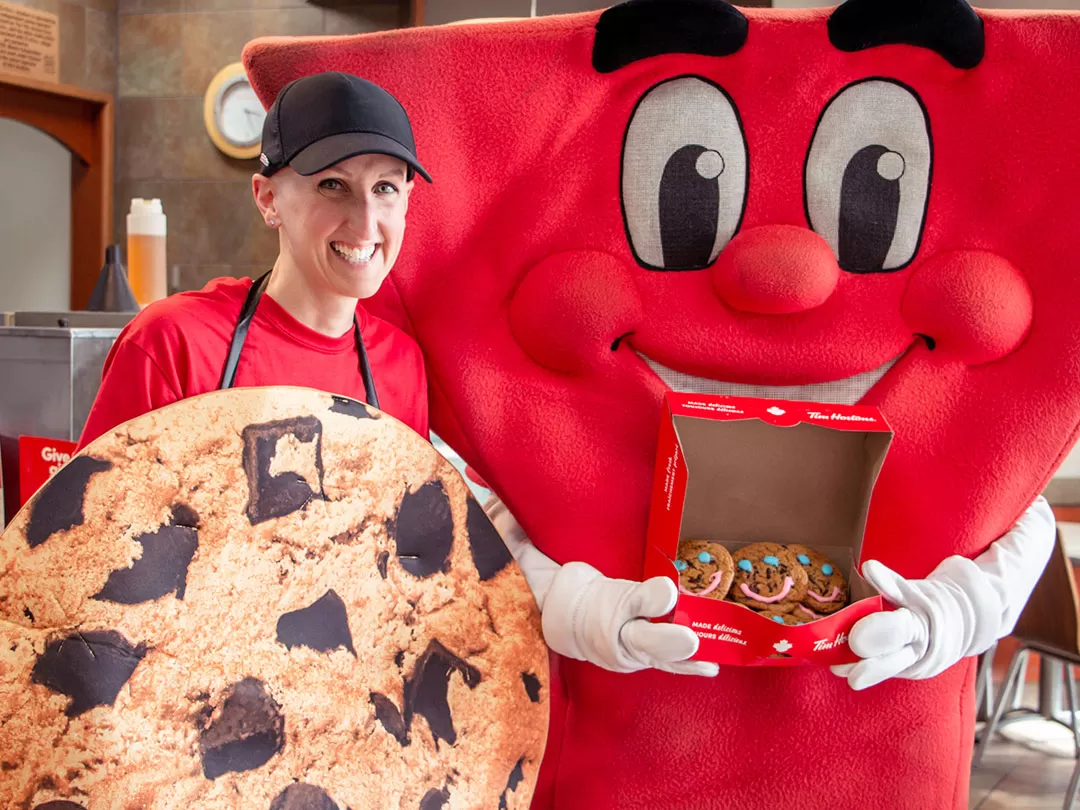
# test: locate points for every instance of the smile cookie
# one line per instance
(828, 590)
(705, 569)
(768, 577)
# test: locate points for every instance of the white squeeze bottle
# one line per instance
(146, 250)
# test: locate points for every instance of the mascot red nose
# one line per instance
(870, 204)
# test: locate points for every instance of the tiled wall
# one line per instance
(87, 41)
(169, 50)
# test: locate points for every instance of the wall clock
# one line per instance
(232, 113)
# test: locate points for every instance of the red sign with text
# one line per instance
(39, 459)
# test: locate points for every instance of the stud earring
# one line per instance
(272, 223)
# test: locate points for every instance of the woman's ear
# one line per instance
(262, 189)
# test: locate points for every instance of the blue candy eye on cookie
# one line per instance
(705, 557)
(680, 565)
(771, 560)
(802, 558)
(827, 570)
(747, 566)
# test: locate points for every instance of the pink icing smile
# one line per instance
(714, 582)
(789, 583)
(830, 598)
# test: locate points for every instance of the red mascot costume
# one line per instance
(874, 203)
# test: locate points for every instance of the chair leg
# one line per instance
(1070, 696)
(1008, 688)
(1070, 793)
(984, 685)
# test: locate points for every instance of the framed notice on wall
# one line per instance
(29, 42)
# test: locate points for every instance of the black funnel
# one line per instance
(112, 293)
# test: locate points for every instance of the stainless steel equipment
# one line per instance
(73, 320)
(49, 378)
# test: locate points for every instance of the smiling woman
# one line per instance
(338, 161)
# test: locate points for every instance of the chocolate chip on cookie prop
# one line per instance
(705, 569)
(269, 598)
(784, 488)
(828, 591)
(768, 577)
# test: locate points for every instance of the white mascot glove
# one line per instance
(959, 610)
(590, 617)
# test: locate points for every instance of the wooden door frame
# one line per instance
(81, 120)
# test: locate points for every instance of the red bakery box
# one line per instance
(735, 471)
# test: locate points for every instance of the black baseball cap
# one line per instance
(317, 121)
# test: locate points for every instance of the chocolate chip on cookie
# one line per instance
(512, 783)
(162, 568)
(435, 799)
(828, 590)
(390, 717)
(59, 507)
(489, 553)
(351, 407)
(426, 695)
(303, 797)
(705, 569)
(532, 686)
(424, 531)
(90, 668)
(768, 576)
(426, 690)
(274, 496)
(323, 625)
(245, 734)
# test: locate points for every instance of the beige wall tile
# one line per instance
(293, 22)
(363, 19)
(203, 160)
(149, 138)
(217, 5)
(151, 55)
(101, 50)
(149, 6)
(211, 40)
(72, 44)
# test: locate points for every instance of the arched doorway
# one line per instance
(82, 121)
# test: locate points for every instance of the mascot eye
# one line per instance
(684, 175)
(868, 176)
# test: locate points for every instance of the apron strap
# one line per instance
(365, 367)
(247, 313)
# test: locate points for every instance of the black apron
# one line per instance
(251, 303)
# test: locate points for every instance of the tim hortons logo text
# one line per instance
(840, 417)
(826, 644)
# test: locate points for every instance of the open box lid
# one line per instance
(737, 470)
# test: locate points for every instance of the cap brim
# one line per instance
(323, 154)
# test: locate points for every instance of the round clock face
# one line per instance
(239, 114)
